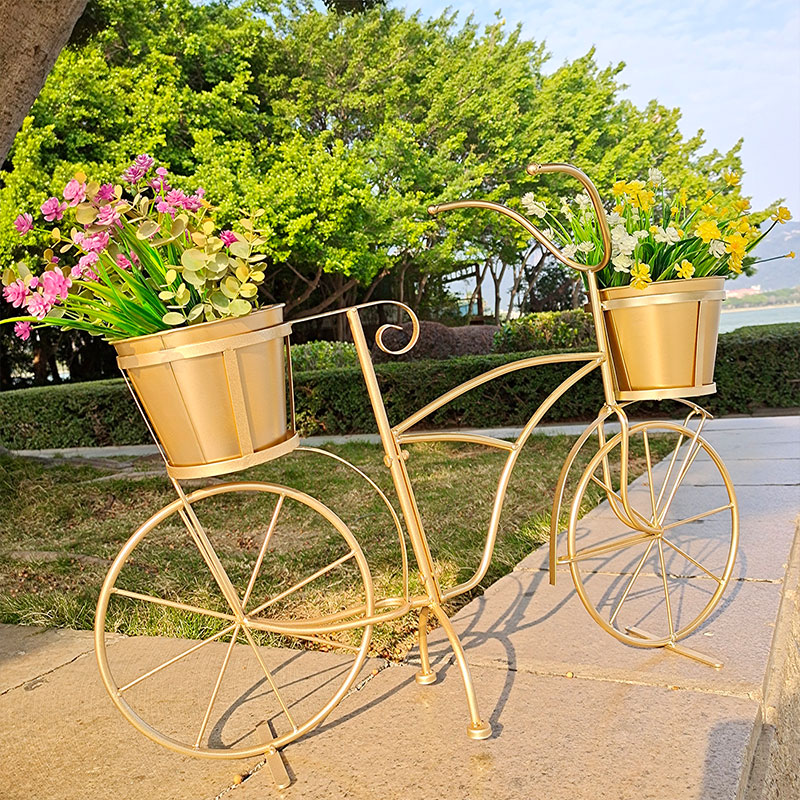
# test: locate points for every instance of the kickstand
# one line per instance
(277, 768)
(679, 649)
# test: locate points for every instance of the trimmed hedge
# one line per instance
(564, 330)
(757, 367)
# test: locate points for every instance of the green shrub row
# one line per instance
(756, 368)
(323, 355)
(546, 330)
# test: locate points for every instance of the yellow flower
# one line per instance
(708, 208)
(683, 197)
(741, 226)
(619, 188)
(782, 215)
(708, 230)
(618, 209)
(790, 254)
(742, 204)
(640, 276)
(686, 269)
(654, 229)
(735, 244)
(732, 178)
(709, 194)
(736, 263)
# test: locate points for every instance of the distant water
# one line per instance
(731, 320)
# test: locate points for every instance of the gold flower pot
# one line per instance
(663, 340)
(214, 394)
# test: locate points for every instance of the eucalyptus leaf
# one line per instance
(193, 259)
(85, 213)
(248, 290)
(195, 278)
(240, 249)
(220, 301)
(242, 273)
(239, 308)
(166, 295)
(147, 229)
(173, 318)
(195, 312)
(170, 275)
(231, 284)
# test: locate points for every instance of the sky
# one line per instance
(733, 68)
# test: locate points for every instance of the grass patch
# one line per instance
(63, 523)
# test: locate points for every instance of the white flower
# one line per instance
(583, 201)
(641, 234)
(549, 233)
(669, 236)
(565, 209)
(533, 206)
(716, 248)
(569, 251)
(622, 241)
(586, 247)
(622, 263)
(654, 176)
(614, 219)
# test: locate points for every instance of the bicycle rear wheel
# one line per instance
(196, 592)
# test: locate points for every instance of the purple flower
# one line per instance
(52, 209)
(228, 238)
(23, 330)
(105, 192)
(75, 192)
(23, 223)
(39, 306)
(16, 293)
(108, 215)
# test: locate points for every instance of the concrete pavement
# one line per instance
(575, 713)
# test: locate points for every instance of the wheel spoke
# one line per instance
(214, 693)
(697, 517)
(269, 677)
(185, 653)
(650, 476)
(300, 584)
(616, 496)
(666, 589)
(694, 449)
(631, 582)
(173, 604)
(262, 551)
(329, 642)
(610, 547)
(671, 466)
(689, 558)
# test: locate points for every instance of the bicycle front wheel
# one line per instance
(184, 626)
(652, 577)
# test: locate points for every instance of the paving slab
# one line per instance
(63, 739)
(553, 738)
(525, 623)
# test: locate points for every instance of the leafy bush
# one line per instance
(546, 330)
(323, 355)
(756, 368)
(437, 341)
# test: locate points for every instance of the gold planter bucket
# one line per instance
(214, 394)
(663, 340)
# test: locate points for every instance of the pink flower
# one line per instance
(144, 161)
(76, 272)
(16, 293)
(123, 262)
(23, 223)
(132, 175)
(89, 260)
(163, 207)
(53, 210)
(55, 285)
(108, 215)
(161, 172)
(39, 306)
(74, 192)
(23, 330)
(105, 192)
(135, 258)
(175, 197)
(97, 243)
(200, 191)
(228, 238)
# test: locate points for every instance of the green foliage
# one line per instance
(756, 368)
(323, 355)
(546, 330)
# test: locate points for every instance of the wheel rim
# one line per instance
(653, 580)
(229, 689)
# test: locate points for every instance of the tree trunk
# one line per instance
(32, 35)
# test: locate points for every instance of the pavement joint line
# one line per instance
(47, 672)
(742, 579)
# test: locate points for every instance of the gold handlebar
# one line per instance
(534, 169)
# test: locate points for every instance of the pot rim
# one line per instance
(199, 326)
(675, 285)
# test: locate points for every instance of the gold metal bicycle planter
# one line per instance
(230, 627)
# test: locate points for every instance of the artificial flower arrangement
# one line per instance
(138, 259)
(656, 235)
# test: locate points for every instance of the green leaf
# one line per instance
(194, 278)
(85, 213)
(242, 272)
(239, 308)
(248, 290)
(166, 295)
(194, 259)
(147, 229)
(170, 276)
(173, 318)
(240, 249)
(219, 301)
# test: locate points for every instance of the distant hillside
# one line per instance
(781, 274)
